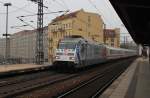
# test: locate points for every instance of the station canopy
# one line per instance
(136, 18)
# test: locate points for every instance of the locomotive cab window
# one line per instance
(67, 46)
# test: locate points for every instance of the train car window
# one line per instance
(82, 48)
(67, 45)
(113, 52)
(96, 50)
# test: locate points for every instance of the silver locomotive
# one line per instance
(78, 52)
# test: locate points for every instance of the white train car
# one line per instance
(116, 53)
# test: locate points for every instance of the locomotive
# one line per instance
(78, 52)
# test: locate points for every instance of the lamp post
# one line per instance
(6, 34)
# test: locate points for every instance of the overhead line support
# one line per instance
(39, 37)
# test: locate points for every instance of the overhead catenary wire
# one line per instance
(18, 8)
(18, 26)
(65, 4)
(49, 10)
(59, 4)
(99, 11)
(25, 22)
(44, 13)
(111, 10)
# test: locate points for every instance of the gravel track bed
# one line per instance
(58, 88)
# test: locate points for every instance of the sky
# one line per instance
(26, 7)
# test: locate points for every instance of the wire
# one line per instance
(65, 4)
(18, 8)
(18, 26)
(37, 2)
(24, 9)
(59, 4)
(44, 13)
(48, 10)
(25, 22)
(1, 2)
(112, 9)
(98, 11)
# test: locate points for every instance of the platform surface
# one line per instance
(133, 83)
(15, 67)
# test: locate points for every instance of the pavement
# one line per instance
(133, 83)
(20, 67)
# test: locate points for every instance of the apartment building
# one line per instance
(86, 24)
(112, 37)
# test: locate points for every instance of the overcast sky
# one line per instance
(26, 7)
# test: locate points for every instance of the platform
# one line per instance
(21, 68)
(133, 83)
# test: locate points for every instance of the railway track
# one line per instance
(96, 85)
(14, 88)
(28, 85)
(24, 78)
(97, 79)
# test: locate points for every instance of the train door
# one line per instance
(84, 53)
(80, 53)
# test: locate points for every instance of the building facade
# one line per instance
(23, 46)
(112, 37)
(86, 24)
(2, 49)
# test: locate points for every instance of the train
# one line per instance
(78, 52)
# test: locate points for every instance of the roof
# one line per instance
(110, 32)
(26, 32)
(114, 48)
(134, 15)
(66, 16)
(21, 33)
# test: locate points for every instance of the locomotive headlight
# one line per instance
(72, 58)
(57, 57)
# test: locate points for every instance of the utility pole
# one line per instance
(39, 37)
(7, 49)
(39, 40)
(39, 55)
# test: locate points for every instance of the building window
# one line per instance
(106, 38)
(89, 19)
(89, 33)
(112, 39)
(112, 44)
(70, 25)
(80, 29)
(63, 26)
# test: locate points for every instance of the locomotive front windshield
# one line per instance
(67, 45)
